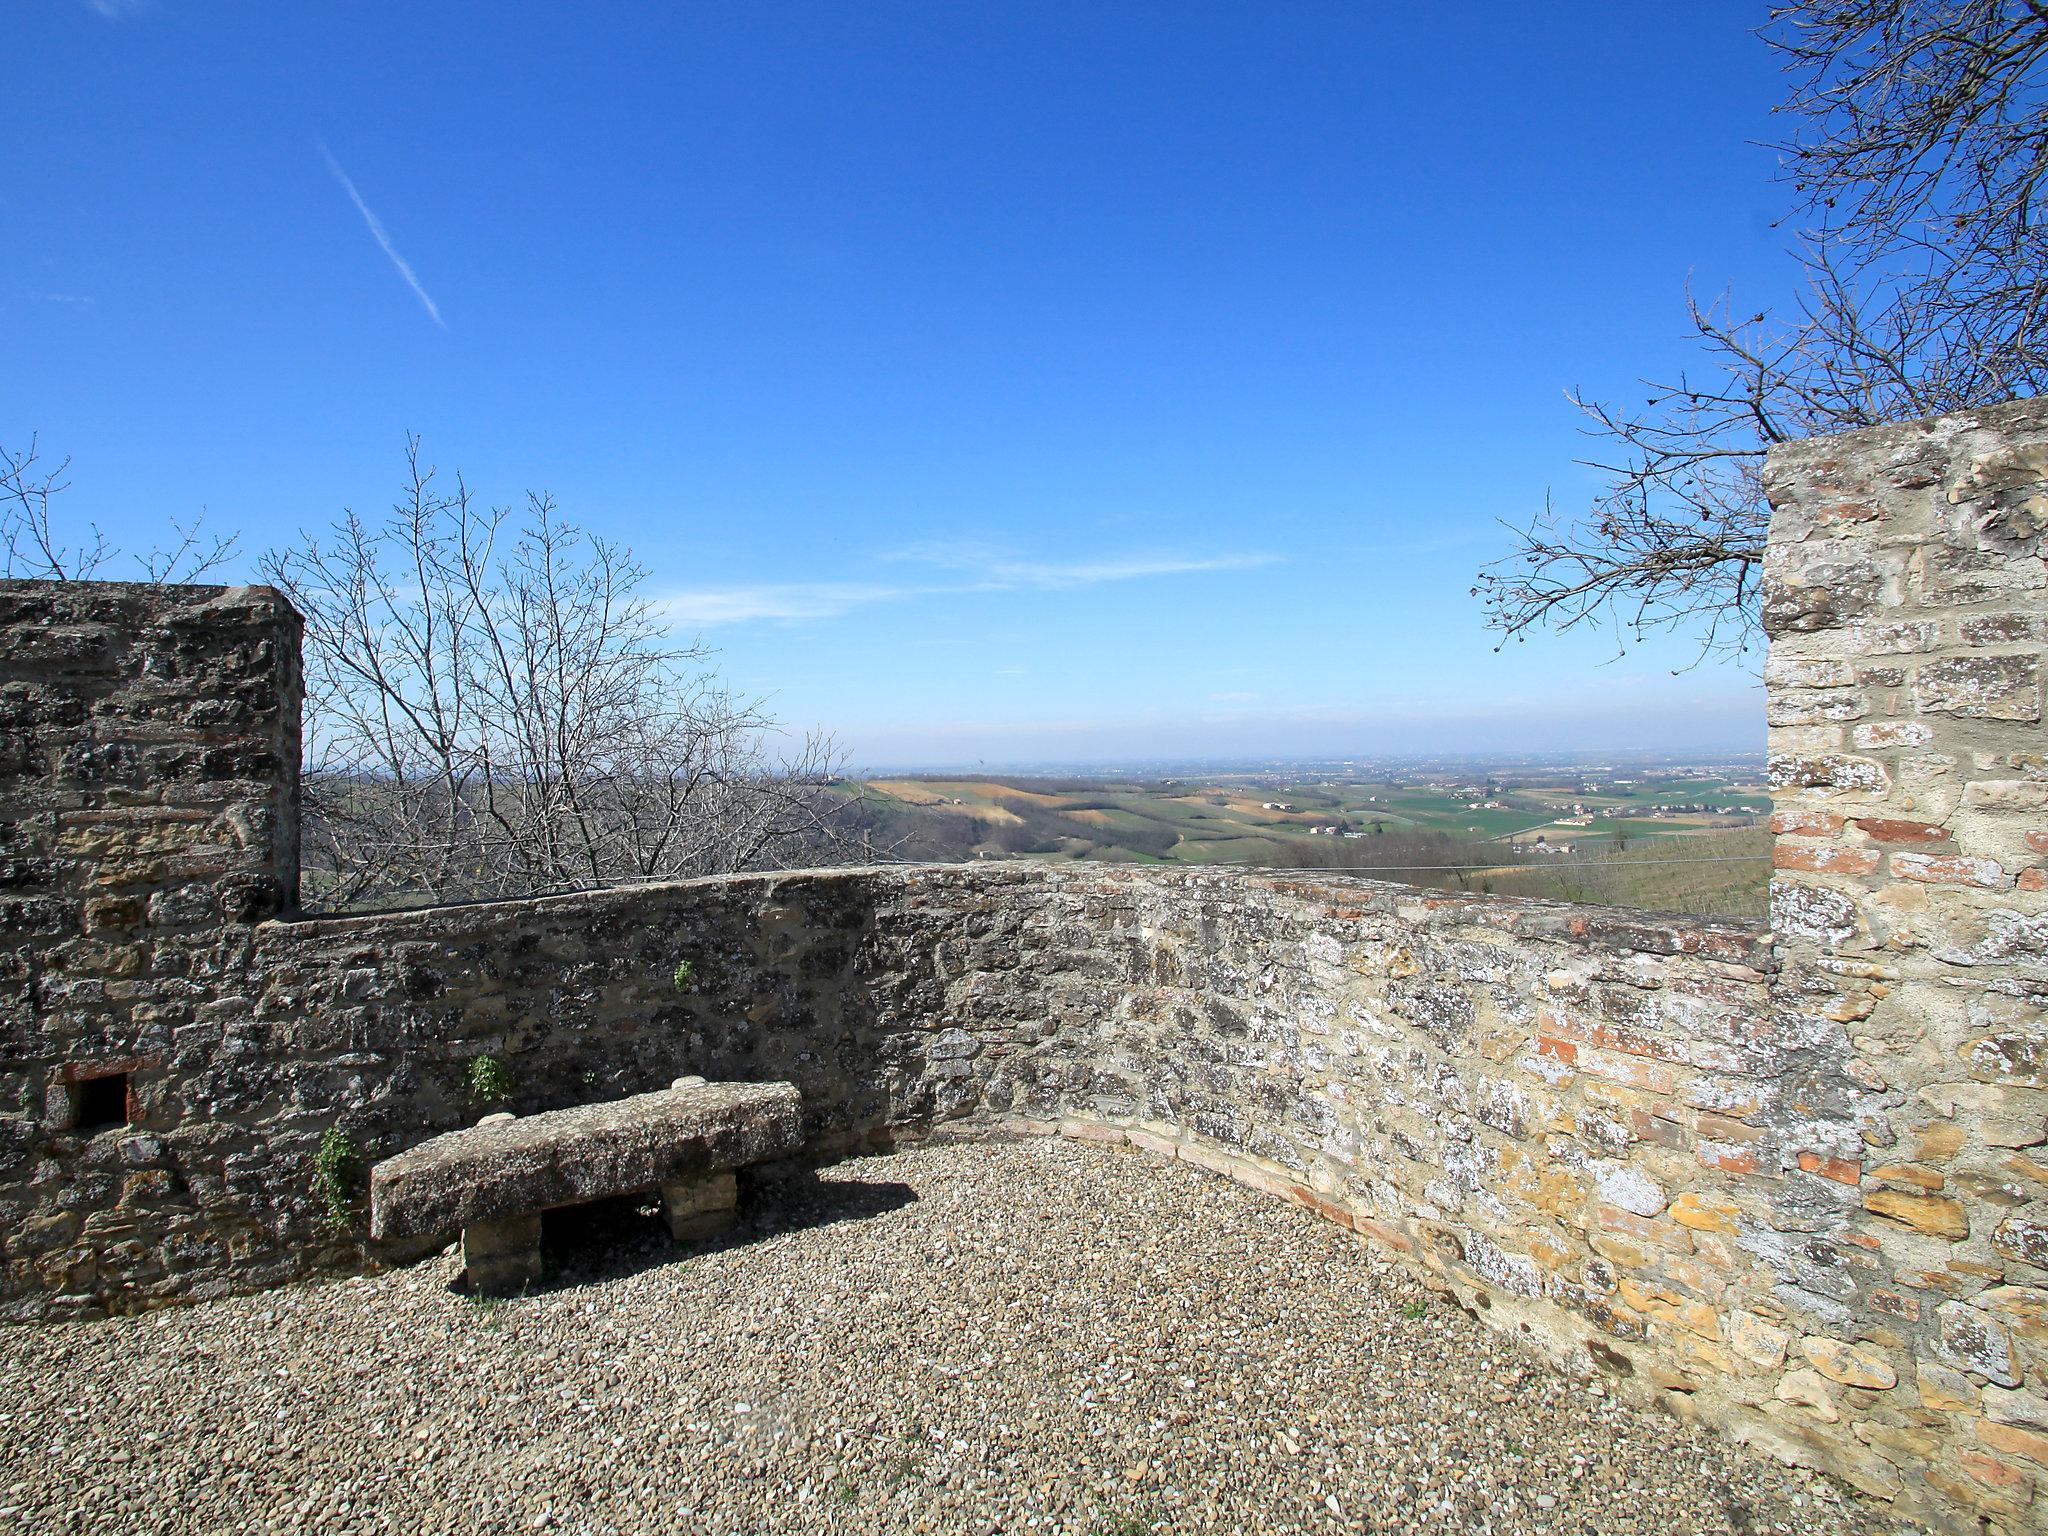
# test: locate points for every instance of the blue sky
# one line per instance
(986, 383)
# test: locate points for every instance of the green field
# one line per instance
(1676, 874)
(1619, 847)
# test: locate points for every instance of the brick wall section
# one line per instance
(1907, 603)
(149, 757)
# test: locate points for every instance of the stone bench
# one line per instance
(493, 1181)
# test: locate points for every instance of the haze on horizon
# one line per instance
(1038, 385)
(1255, 739)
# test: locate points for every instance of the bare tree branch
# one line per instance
(493, 709)
(33, 549)
(1919, 156)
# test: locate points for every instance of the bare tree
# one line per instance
(31, 546)
(1918, 157)
(494, 709)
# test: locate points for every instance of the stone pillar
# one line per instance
(499, 1257)
(149, 789)
(700, 1208)
(1906, 598)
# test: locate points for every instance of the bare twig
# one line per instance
(31, 547)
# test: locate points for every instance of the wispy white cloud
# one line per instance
(973, 567)
(997, 567)
(377, 230)
(708, 607)
(114, 10)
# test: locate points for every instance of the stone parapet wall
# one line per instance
(1515, 1092)
(1581, 1120)
(1907, 603)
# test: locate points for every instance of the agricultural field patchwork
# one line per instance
(1685, 839)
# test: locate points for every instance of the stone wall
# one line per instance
(1907, 602)
(1787, 1183)
(149, 758)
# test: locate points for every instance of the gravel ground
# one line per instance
(1019, 1337)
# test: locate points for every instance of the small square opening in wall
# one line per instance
(99, 1102)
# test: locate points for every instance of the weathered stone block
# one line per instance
(2015, 1440)
(1950, 869)
(570, 1156)
(700, 1208)
(1825, 858)
(1816, 707)
(1822, 587)
(2022, 1240)
(1706, 1213)
(1813, 912)
(1809, 1390)
(1893, 637)
(1962, 576)
(2020, 795)
(1936, 1215)
(1999, 629)
(1886, 829)
(1830, 771)
(1981, 687)
(1791, 672)
(501, 1256)
(1805, 821)
(2020, 1060)
(2004, 1405)
(1851, 1365)
(1891, 733)
(1970, 1340)
(1946, 1390)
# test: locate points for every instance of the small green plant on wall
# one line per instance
(682, 977)
(337, 1168)
(489, 1082)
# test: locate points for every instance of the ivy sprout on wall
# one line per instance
(489, 1082)
(337, 1169)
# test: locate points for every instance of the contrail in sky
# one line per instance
(377, 229)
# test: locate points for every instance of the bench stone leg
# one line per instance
(501, 1256)
(700, 1207)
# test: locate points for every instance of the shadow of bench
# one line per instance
(493, 1181)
